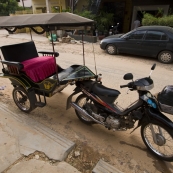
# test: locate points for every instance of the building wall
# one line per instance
(150, 2)
(40, 5)
(27, 3)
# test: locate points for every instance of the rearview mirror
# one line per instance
(128, 76)
(153, 67)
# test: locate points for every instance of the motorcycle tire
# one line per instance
(22, 99)
(162, 148)
(81, 101)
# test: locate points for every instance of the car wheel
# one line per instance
(165, 57)
(111, 49)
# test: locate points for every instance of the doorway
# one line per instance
(153, 9)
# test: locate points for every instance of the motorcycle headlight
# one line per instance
(145, 88)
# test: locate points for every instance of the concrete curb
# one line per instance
(103, 167)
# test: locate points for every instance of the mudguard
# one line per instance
(16, 80)
(76, 91)
(156, 115)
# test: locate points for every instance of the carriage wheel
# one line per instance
(23, 100)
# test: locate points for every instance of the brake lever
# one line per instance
(130, 89)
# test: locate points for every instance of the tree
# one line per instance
(8, 6)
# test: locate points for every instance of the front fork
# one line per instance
(154, 134)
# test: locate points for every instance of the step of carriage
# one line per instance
(40, 104)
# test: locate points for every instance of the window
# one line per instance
(155, 35)
(138, 35)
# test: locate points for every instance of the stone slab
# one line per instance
(38, 166)
(103, 167)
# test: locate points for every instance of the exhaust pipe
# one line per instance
(85, 113)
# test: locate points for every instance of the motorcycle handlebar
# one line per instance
(129, 85)
(123, 86)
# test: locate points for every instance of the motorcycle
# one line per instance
(114, 30)
(96, 105)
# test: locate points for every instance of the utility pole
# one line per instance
(23, 5)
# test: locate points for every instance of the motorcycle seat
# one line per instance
(104, 91)
(100, 89)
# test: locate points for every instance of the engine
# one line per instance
(112, 122)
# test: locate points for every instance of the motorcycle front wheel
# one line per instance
(160, 144)
(85, 103)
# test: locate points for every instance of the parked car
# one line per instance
(150, 41)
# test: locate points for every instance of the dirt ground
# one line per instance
(121, 149)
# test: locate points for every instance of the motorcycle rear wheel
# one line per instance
(163, 147)
(81, 101)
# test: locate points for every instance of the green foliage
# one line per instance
(20, 8)
(86, 14)
(7, 7)
(55, 10)
(157, 20)
(66, 10)
(149, 19)
(104, 20)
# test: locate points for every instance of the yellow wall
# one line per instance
(42, 3)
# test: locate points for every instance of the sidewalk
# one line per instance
(21, 136)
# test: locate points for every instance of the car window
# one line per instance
(164, 37)
(127, 34)
(138, 35)
(155, 35)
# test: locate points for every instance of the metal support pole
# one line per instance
(72, 6)
(47, 6)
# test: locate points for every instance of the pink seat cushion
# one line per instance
(39, 68)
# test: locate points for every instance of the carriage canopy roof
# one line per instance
(63, 20)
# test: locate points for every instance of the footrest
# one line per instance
(40, 104)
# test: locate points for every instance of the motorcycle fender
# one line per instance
(155, 115)
(69, 99)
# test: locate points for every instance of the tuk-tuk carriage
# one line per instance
(36, 75)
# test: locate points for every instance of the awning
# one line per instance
(63, 20)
